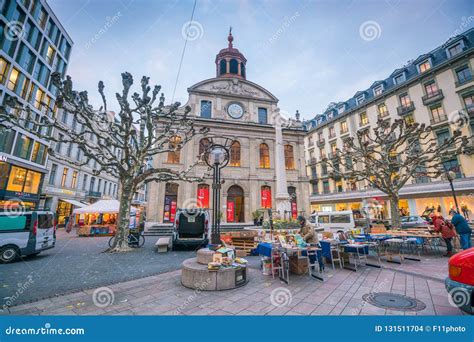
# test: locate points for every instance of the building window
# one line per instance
(442, 136)
(266, 197)
(6, 139)
(341, 109)
(437, 113)
(360, 99)
(262, 116)
(13, 79)
(364, 119)
(206, 109)
(235, 154)
(39, 153)
(264, 156)
(399, 79)
(4, 66)
(171, 202)
(322, 153)
(92, 184)
(453, 165)
(204, 144)
(64, 117)
(58, 146)
(425, 66)
(431, 89)
(405, 100)
(175, 147)
(344, 128)
(326, 188)
(320, 138)
(69, 149)
(382, 109)
(378, 90)
(455, 49)
(333, 148)
(234, 66)
(22, 180)
(469, 103)
(64, 177)
(74, 180)
(52, 174)
(84, 182)
(409, 119)
(289, 158)
(23, 147)
(222, 67)
(332, 132)
(463, 75)
(203, 196)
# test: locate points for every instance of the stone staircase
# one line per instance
(166, 229)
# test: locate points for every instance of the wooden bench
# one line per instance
(161, 246)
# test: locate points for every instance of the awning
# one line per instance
(74, 203)
(102, 207)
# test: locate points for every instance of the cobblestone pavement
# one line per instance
(77, 263)
(340, 294)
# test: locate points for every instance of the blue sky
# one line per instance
(307, 53)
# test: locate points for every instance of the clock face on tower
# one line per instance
(235, 110)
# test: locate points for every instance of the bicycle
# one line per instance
(135, 240)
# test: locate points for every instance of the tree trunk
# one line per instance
(394, 211)
(123, 221)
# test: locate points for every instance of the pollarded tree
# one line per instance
(391, 153)
(122, 146)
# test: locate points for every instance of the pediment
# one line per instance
(233, 86)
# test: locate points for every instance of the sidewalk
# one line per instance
(341, 294)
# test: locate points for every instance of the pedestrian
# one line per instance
(464, 231)
(310, 237)
(447, 232)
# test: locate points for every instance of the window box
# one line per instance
(403, 110)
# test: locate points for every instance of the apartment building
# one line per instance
(434, 89)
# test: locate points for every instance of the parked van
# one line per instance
(191, 227)
(26, 233)
(336, 220)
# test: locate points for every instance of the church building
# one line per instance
(230, 106)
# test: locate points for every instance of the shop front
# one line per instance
(19, 186)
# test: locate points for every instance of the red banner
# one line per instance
(203, 197)
(266, 194)
(294, 211)
(230, 211)
(173, 211)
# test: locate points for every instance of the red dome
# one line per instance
(230, 62)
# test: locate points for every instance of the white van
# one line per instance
(26, 233)
(333, 221)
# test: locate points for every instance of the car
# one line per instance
(191, 227)
(460, 282)
(413, 222)
(26, 233)
(335, 221)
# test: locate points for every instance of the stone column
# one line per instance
(282, 198)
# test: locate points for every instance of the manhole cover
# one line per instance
(386, 300)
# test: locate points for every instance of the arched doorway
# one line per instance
(235, 204)
(171, 200)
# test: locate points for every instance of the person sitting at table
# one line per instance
(309, 236)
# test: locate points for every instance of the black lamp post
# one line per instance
(450, 178)
(217, 157)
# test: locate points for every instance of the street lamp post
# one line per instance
(216, 157)
(449, 177)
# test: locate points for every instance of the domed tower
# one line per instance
(229, 61)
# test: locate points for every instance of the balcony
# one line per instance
(343, 132)
(332, 155)
(332, 136)
(312, 161)
(470, 111)
(439, 119)
(94, 194)
(321, 142)
(406, 109)
(433, 97)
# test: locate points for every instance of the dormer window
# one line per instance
(330, 115)
(360, 99)
(341, 109)
(399, 79)
(455, 49)
(424, 66)
(378, 90)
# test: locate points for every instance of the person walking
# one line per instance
(464, 231)
(447, 233)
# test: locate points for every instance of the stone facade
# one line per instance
(250, 130)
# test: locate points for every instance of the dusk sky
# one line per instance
(307, 53)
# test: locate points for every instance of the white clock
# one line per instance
(235, 110)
